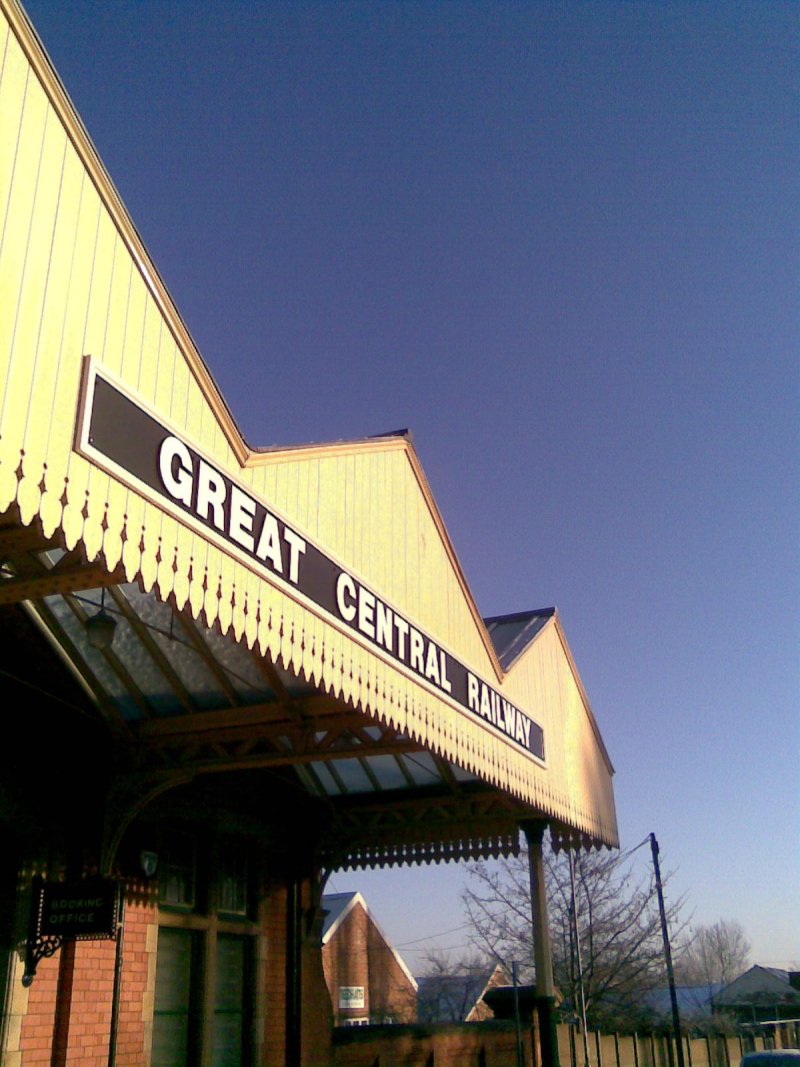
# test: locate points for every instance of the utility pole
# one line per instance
(673, 996)
(578, 958)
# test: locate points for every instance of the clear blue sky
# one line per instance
(560, 243)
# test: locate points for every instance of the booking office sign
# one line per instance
(122, 434)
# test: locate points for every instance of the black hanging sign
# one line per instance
(79, 910)
(69, 911)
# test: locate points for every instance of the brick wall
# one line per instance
(487, 1044)
(87, 979)
(138, 982)
(393, 998)
(79, 1036)
(346, 962)
(357, 954)
(316, 1019)
(271, 978)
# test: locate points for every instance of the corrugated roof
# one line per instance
(694, 1001)
(511, 634)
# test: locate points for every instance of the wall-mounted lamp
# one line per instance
(149, 862)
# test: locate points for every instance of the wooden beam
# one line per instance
(153, 650)
(72, 656)
(373, 778)
(270, 675)
(284, 738)
(224, 761)
(321, 712)
(91, 576)
(15, 539)
(338, 779)
(189, 628)
(446, 772)
(406, 773)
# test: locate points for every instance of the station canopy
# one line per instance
(297, 612)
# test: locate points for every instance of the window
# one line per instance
(229, 1001)
(203, 996)
(232, 880)
(175, 971)
(176, 875)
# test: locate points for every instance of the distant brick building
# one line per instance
(367, 978)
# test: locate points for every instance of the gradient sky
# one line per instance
(560, 243)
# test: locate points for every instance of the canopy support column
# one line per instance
(294, 963)
(543, 956)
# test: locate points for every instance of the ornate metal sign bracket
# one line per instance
(77, 911)
(37, 946)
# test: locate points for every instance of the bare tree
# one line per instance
(715, 954)
(617, 921)
(451, 984)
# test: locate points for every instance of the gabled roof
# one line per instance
(759, 985)
(526, 737)
(511, 634)
(451, 997)
(338, 906)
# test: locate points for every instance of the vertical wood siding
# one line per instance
(75, 281)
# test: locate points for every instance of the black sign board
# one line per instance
(79, 910)
(69, 911)
(117, 429)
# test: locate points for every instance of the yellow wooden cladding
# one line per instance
(75, 281)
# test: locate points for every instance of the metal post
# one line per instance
(578, 957)
(293, 971)
(673, 996)
(543, 957)
(63, 1011)
(520, 1062)
(112, 1040)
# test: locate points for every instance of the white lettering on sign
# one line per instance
(382, 625)
(228, 508)
(175, 468)
(119, 430)
(351, 996)
(500, 712)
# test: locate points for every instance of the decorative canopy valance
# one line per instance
(120, 463)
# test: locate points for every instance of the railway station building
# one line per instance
(227, 671)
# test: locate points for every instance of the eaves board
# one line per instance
(580, 770)
(102, 296)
